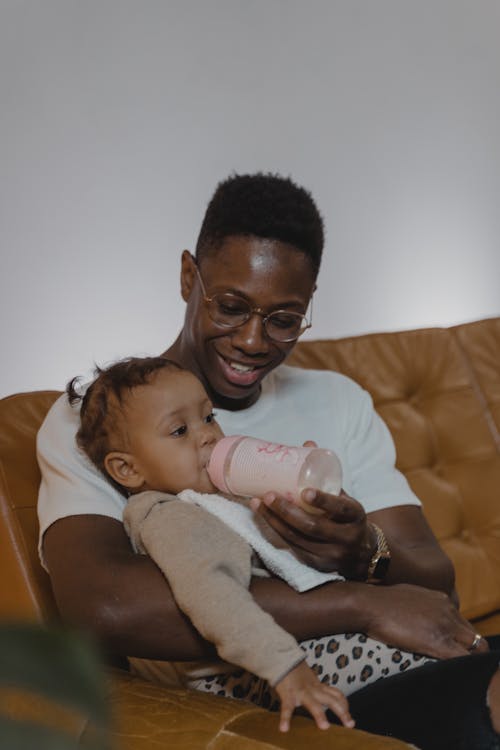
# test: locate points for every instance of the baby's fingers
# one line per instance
(317, 711)
(337, 702)
(286, 712)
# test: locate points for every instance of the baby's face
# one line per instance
(172, 431)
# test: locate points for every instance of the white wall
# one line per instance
(118, 117)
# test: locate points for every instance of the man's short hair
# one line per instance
(263, 205)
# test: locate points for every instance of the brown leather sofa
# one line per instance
(439, 392)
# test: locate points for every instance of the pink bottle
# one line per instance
(250, 467)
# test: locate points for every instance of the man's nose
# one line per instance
(251, 337)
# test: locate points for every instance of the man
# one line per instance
(248, 293)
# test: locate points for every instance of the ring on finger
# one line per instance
(475, 643)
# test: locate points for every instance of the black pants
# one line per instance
(439, 706)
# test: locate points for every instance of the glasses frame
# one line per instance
(255, 311)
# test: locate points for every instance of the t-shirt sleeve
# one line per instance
(376, 483)
(70, 485)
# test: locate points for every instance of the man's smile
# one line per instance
(240, 373)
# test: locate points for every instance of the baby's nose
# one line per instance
(208, 437)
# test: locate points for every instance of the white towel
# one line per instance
(281, 562)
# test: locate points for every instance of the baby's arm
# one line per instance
(209, 567)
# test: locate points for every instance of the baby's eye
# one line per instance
(179, 431)
(210, 417)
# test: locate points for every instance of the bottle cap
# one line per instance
(215, 466)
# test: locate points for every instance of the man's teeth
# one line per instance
(241, 368)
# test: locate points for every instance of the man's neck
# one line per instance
(182, 355)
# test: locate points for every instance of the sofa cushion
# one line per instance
(422, 386)
(480, 342)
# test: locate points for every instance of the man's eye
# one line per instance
(179, 431)
(285, 321)
(228, 307)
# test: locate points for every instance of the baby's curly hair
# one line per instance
(263, 205)
(102, 425)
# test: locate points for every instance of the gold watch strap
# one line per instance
(379, 563)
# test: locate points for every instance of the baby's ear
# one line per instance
(122, 468)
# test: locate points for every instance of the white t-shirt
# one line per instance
(295, 405)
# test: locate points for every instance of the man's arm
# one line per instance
(101, 584)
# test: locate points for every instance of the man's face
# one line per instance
(172, 432)
(269, 275)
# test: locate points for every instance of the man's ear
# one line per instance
(188, 274)
(122, 468)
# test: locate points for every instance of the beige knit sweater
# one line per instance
(209, 568)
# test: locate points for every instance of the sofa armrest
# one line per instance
(147, 716)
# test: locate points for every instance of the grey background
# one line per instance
(118, 118)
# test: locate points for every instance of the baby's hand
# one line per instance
(301, 687)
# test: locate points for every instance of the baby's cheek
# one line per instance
(208, 486)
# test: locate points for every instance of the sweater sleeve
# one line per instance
(208, 567)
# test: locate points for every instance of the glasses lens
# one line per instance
(285, 326)
(229, 310)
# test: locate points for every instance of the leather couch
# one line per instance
(439, 392)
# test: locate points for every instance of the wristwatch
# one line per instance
(381, 558)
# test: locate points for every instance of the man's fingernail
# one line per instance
(269, 497)
(309, 495)
(255, 503)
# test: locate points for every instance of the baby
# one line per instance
(149, 426)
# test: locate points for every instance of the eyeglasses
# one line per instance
(229, 310)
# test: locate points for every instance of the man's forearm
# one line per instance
(339, 607)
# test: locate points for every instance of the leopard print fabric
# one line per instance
(349, 662)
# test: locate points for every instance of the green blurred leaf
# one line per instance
(57, 663)
(15, 735)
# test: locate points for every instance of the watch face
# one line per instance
(381, 567)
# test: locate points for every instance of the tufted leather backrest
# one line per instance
(25, 589)
(437, 389)
(480, 342)
(434, 388)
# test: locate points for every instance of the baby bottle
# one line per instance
(250, 467)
